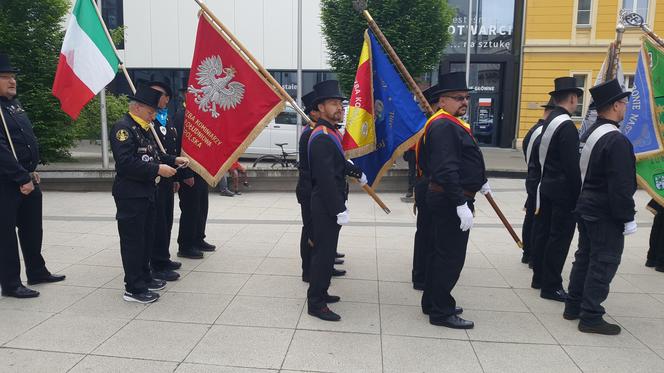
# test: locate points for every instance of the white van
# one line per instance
(281, 130)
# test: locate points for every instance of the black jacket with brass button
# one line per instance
(137, 158)
(24, 140)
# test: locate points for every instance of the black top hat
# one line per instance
(308, 102)
(549, 105)
(452, 82)
(566, 84)
(328, 89)
(163, 83)
(430, 94)
(6, 65)
(608, 93)
(147, 95)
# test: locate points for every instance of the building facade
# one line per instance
(571, 38)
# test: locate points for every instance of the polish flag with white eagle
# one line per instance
(87, 60)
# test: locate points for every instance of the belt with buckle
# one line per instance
(434, 187)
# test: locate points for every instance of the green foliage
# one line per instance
(117, 35)
(32, 34)
(88, 124)
(416, 29)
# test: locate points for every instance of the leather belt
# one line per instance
(439, 189)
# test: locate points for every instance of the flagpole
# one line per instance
(104, 122)
(124, 70)
(282, 92)
(414, 88)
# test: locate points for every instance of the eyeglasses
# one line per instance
(459, 98)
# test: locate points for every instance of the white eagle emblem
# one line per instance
(217, 89)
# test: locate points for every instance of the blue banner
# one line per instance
(397, 116)
(640, 124)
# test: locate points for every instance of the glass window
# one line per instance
(288, 116)
(583, 13)
(492, 24)
(629, 81)
(112, 13)
(581, 83)
(636, 6)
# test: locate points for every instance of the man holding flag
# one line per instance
(451, 158)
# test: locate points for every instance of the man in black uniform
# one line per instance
(139, 165)
(423, 237)
(605, 210)
(20, 195)
(162, 266)
(328, 168)
(303, 189)
(451, 158)
(194, 202)
(558, 191)
(655, 257)
(530, 153)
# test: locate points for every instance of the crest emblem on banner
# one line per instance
(217, 89)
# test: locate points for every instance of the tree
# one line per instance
(416, 29)
(88, 125)
(32, 33)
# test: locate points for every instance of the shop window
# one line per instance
(637, 6)
(581, 83)
(112, 13)
(583, 13)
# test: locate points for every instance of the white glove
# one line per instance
(363, 180)
(343, 218)
(630, 228)
(466, 217)
(486, 189)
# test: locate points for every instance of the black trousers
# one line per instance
(161, 256)
(595, 264)
(307, 233)
(194, 212)
(656, 250)
(22, 213)
(423, 234)
(136, 217)
(446, 261)
(326, 236)
(554, 230)
(409, 155)
(528, 224)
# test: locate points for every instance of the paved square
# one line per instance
(243, 307)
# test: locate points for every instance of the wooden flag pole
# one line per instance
(282, 92)
(503, 219)
(9, 137)
(124, 70)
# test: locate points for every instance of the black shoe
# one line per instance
(418, 286)
(46, 279)
(156, 284)
(603, 327)
(570, 312)
(339, 255)
(20, 292)
(453, 321)
(173, 266)
(338, 272)
(332, 298)
(166, 275)
(191, 254)
(305, 278)
(238, 193)
(650, 263)
(457, 311)
(204, 246)
(226, 193)
(144, 298)
(324, 314)
(338, 261)
(535, 285)
(659, 268)
(525, 258)
(557, 295)
(409, 194)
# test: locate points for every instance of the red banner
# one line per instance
(228, 103)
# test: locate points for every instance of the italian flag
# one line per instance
(87, 60)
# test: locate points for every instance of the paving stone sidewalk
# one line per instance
(242, 308)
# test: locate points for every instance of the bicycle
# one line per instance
(285, 160)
